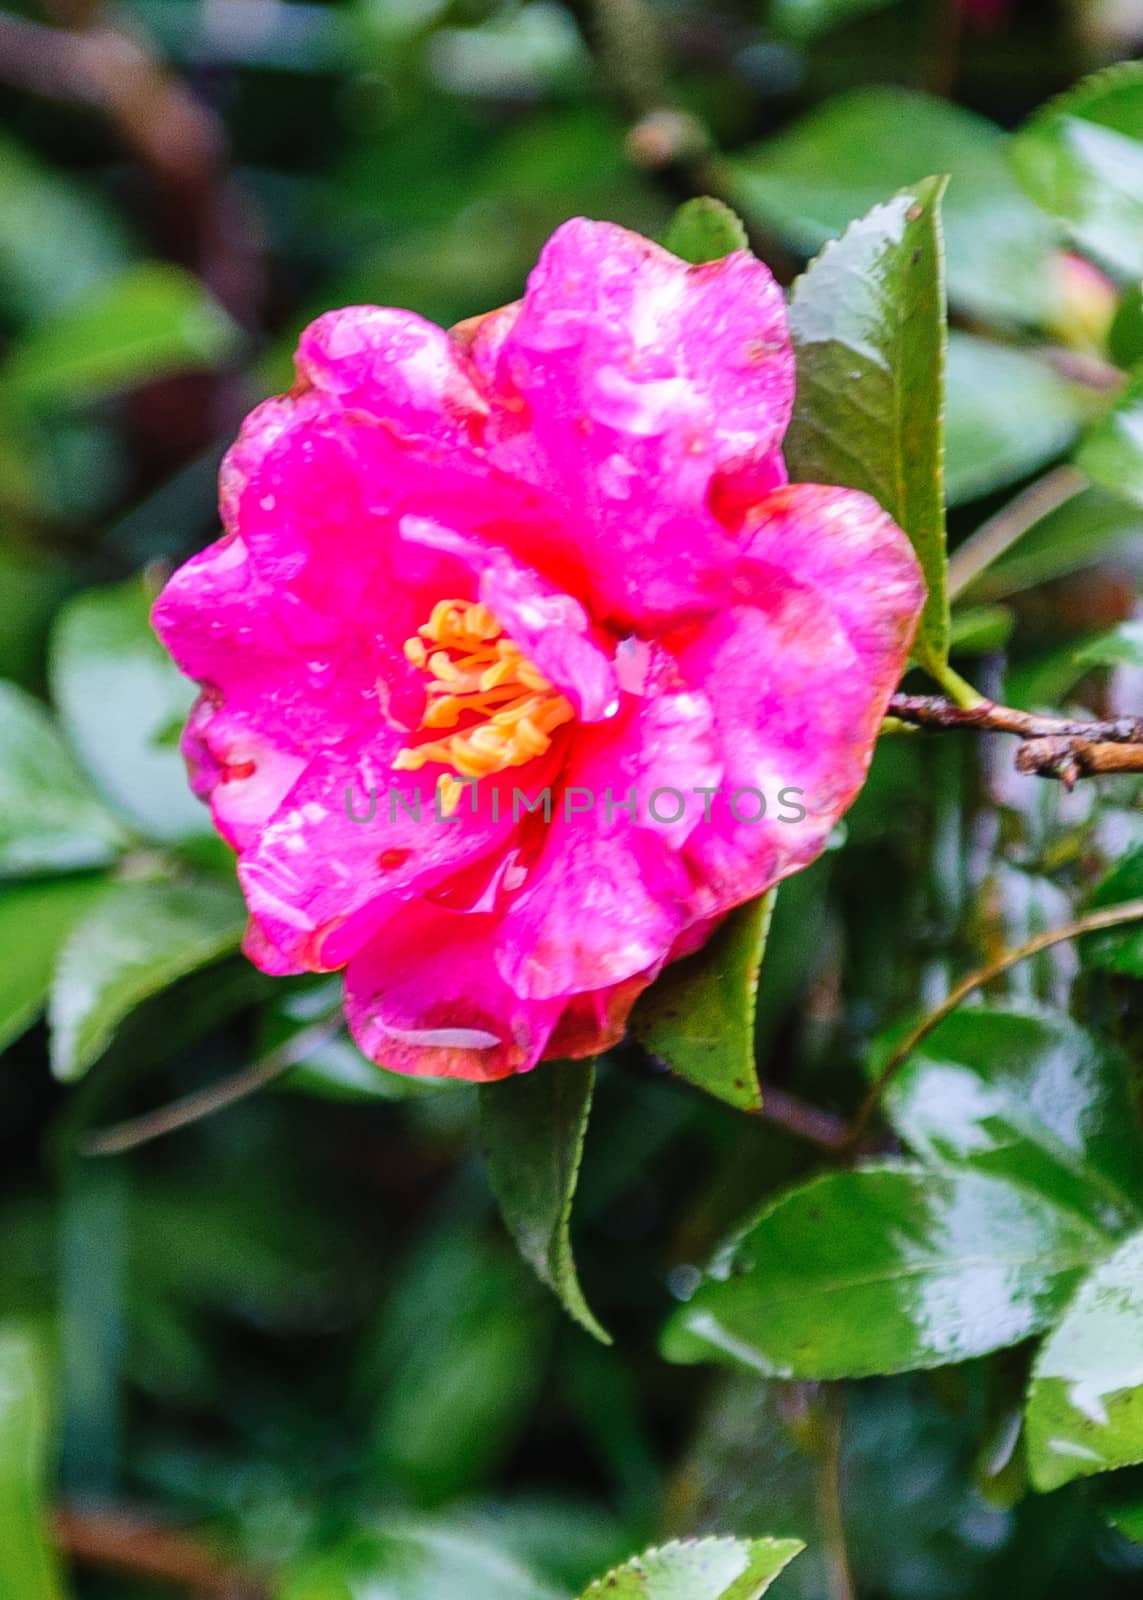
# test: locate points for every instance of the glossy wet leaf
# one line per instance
(153, 319)
(532, 1131)
(814, 178)
(886, 1269)
(1085, 1401)
(50, 819)
(1118, 949)
(411, 1563)
(29, 1569)
(705, 229)
(1081, 158)
(119, 694)
(35, 919)
(1111, 452)
(868, 325)
(698, 1569)
(138, 939)
(1008, 415)
(699, 1016)
(1027, 1095)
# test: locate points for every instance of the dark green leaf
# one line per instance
(152, 320)
(1125, 337)
(1093, 526)
(705, 229)
(35, 919)
(1031, 1096)
(28, 1566)
(118, 691)
(868, 324)
(532, 1129)
(1118, 949)
(1119, 647)
(845, 157)
(1085, 1401)
(1008, 415)
(1081, 158)
(886, 1269)
(50, 821)
(1124, 1511)
(411, 1563)
(1111, 452)
(803, 20)
(698, 1569)
(699, 1016)
(139, 938)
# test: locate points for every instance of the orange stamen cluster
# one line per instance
(481, 679)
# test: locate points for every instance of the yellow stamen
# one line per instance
(477, 673)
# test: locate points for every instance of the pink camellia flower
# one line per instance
(548, 560)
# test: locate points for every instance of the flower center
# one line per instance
(480, 679)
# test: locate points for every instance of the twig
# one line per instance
(123, 1136)
(805, 1121)
(1094, 922)
(1002, 531)
(839, 1577)
(1066, 748)
(133, 1546)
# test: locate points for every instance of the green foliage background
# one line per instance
(296, 1340)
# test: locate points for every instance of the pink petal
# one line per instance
(799, 675)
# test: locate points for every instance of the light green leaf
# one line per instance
(1111, 452)
(1081, 158)
(28, 1566)
(698, 1569)
(1085, 1401)
(1118, 647)
(846, 156)
(886, 1269)
(1093, 526)
(119, 694)
(705, 229)
(151, 320)
(136, 941)
(979, 630)
(417, 1562)
(40, 207)
(868, 324)
(35, 919)
(1028, 1095)
(50, 821)
(699, 1016)
(1009, 414)
(532, 1130)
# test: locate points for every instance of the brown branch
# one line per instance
(803, 1120)
(134, 1546)
(1066, 748)
(1094, 922)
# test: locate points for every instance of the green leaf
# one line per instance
(28, 1566)
(1118, 949)
(705, 229)
(1111, 452)
(1091, 527)
(1081, 158)
(802, 20)
(1009, 414)
(979, 630)
(1028, 1095)
(1085, 1401)
(1118, 647)
(153, 319)
(411, 1563)
(35, 919)
(1124, 1511)
(532, 1130)
(104, 655)
(136, 941)
(1125, 336)
(868, 324)
(699, 1016)
(49, 819)
(40, 208)
(885, 1269)
(833, 165)
(698, 1569)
